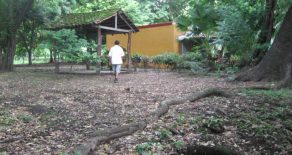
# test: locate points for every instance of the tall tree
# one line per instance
(12, 14)
(276, 64)
(28, 35)
(267, 30)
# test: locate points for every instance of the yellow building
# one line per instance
(151, 39)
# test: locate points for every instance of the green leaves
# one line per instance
(236, 34)
(66, 43)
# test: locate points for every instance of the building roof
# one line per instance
(102, 17)
(155, 25)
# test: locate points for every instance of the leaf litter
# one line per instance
(45, 113)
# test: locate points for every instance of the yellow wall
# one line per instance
(150, 41)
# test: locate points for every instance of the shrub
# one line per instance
(145, 60)
(192, 56)
(25, 118)
(172, 59)
(143, 148)
(136, 58)
(179, 145)
(169, 59)
(158, 59)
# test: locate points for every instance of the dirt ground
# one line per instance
(48, 113)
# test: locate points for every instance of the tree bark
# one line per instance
(57, 65)
(274, 64)
(267, 31)
(1, 58)
(9, 55)
(51, 56)
(18, 16)
(30, 56)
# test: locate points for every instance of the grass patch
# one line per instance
(50, 117)
(25, 118)
(272, 94)
(5, 118)
(147, 148)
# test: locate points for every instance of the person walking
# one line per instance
(115, 55)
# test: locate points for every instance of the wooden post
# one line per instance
(129, 50)
(99, 43)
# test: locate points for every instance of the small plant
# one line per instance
(196, 120)
(264, 129)
(179, 145)
(272, 94)
(214, 124)
(25, 118)
(181, 118)
(288, 124)
(163, 134)
(143, 148)
(6, 118)
(192, 56)
(136, 58)
(243, 124)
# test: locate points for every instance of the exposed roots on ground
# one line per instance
(104, 136)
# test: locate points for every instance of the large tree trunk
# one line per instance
(1, 57)
(51, 56)
(9, 55)
(267, 31)
(30, 56)
(275, 64)
(17, 16)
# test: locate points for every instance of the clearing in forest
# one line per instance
(46, 113)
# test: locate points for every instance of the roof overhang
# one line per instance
(110, 21)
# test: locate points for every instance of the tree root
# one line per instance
(286, 82)
(100, 137)
(164, 105)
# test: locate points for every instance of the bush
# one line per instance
(172, 59)
(192, 56)
(169, 59)
(158, 59)
(136, 58)
(145, 60)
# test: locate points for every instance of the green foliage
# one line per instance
(163, 134)
(142, 148)
(236, 34)
(272, 94)
(181, 118)
(87, 57)
(201, 17)
(25, 118)
(169, 59)
(158, 59)
(67, 44)
(288, 124)
(145, 148)
(192, 56)
(136, 58)
(6, 118)
(179, 145)
(213, 122)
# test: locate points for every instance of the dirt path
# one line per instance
(44, 113)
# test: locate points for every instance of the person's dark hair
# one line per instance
(117, 42)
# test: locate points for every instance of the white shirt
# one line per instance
(116, 53)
